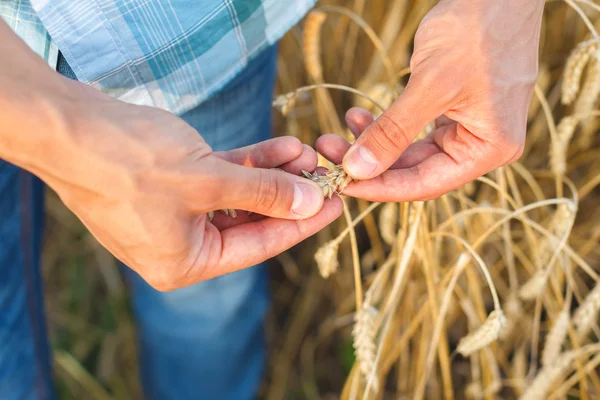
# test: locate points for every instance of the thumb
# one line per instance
(386, 138)
(269, 192)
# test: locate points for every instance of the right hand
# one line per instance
(142, 181)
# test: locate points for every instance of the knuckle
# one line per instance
(270, 191)
(517, 152)
(509, 149)
(389, 134)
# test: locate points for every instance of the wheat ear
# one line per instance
(556, 337)
(333, 182)
(487, 333)
(388, 218)
(590, 88)
(576, 62)
(587, 312)
(558, 153)
(311, 48)
(534, 286)
(363, 335)
(587, 100)
(327, 257)
(549, 374)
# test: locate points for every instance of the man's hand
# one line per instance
(474, 65)
(142, 180)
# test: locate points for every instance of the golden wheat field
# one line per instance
(489, 292)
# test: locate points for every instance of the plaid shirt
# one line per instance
(170, 54)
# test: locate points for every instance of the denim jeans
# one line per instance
(201, 342)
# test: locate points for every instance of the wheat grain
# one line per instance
(576, 62)
(555, 338)
(487, 333)
(311, 48)
(387, 222)
(587, 312)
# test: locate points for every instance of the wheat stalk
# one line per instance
(461, 264)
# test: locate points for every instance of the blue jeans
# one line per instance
(205, 341)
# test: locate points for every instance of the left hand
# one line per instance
(474, 65)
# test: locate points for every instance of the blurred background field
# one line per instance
(406, 253)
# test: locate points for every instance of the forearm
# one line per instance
(32, 104)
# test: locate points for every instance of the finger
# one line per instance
(416, 153)
(306, 161)
(223, 221)
(332, 147)
(384, 140)
(358, 119)
(213, 253)
(253, 243)
(264, 191)
(268, 154)
(321, 171)
(442, 121)
(459, 161)
(430, 179)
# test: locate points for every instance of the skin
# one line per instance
(142, 180)
(474, 68)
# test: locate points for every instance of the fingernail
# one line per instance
(361, 163)
(307, 199)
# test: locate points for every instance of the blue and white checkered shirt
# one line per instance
(170, 54)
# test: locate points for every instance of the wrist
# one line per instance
(33, 116)
(34, 104)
